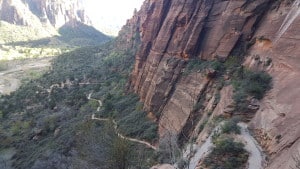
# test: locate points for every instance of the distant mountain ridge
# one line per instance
(45, 12)
(29, 24)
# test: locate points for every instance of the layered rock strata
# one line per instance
(265, 32)
(31, 12)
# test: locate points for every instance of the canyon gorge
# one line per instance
(165, 89)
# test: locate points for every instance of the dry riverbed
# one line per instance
(13, 73)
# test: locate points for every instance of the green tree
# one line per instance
(227, 154)
(231, 126)
(1, 114)
(120, 153)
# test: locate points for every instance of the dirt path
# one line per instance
(89, 97)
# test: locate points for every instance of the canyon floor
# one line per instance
(16, 71)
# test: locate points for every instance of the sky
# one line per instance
(110, 15)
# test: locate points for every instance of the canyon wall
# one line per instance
(277, 122)
(33, 12)
(264, 32)
(193, 29)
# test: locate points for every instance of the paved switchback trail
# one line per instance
(116, 126)
(256, 156)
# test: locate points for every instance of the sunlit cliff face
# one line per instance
(110, 16)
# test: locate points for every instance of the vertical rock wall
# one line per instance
(172, 32)
(31, 12)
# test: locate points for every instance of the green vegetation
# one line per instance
(1, 114)
(79, 34)
(250, 84)
(99, 145)
(230, 126)
(131, 119)
(201, 127)
(52, 114)
(227, 154)
(232, 64)
(19, 42)
(200, 65)
(246, 83)
(15, 33)
(11, 51)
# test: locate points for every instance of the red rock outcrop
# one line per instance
(179, 108)
(187, 29)
(173, 31)
(278, 120)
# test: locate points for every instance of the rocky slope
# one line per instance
(264, 32)
(55, 13)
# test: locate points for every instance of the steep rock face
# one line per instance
(16, 12)
(204, 29)
(58, 12)
(181, 30)
(177, 111)
(224, 106)
(29, 12)
(129, 35)
(266, 32)
(277, 122)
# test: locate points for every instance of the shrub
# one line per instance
(128, 112)
(247, 83)
(232, 63)
(1, 114)
(169, 151)
(136, 124)
(20, 127)
(260, 82)
(182, 163)
(253, 83)
(16, 128)
(201, 127)
(227, 145)
(195, 64)
(231, 126)
(119, 153)
(227, 154)
(67, 106)
(93, 103)
(200, 65)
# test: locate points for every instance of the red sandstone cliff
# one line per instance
(173, 31)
